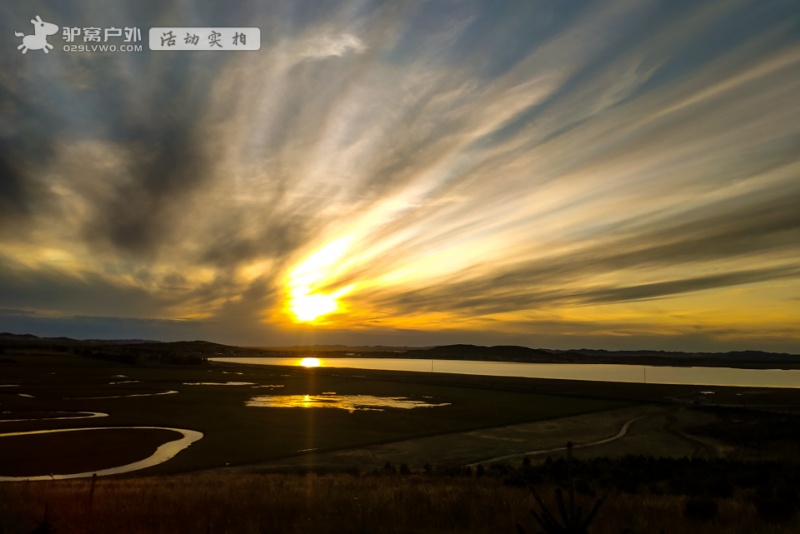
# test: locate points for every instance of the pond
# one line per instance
(171, 392)
(351, 403)
(219, 384)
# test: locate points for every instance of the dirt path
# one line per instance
(654, 430)
(701, 448)
(620, 434)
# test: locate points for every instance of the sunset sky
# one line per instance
(559, 174)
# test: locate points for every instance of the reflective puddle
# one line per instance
(171, 392)
(71, 415)
(165, 452)
(351, 403)
(219, 384)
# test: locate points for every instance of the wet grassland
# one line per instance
(449, 454)
(44, 390)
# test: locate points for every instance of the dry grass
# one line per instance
(337, 503)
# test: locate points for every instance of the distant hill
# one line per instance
(475, 352)
(511, 353)
(8, 338)
(199, 350)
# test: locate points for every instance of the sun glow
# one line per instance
(306, 303)
(310, 362)
(307, 308)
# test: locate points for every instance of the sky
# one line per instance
(562, 174)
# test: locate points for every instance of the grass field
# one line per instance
(234, 433)
(329, 470)
(340, 503)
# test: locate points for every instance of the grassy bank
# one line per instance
(384, 502)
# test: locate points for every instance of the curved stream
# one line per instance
(75, 415)
(163, 453)
(170, 392)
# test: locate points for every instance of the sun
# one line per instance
(310, 362)
(306, 302)
(308, 308)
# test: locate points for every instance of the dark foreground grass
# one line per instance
(342, 503)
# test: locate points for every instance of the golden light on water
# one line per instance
(351, 403)
(310, 362)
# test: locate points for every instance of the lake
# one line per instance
(702, 376)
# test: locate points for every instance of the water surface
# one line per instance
(219, 384)
(171, 392)
(710, 376)
(70, 415)
(351, 403)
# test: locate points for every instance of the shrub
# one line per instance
(700, 509)
(774, 509)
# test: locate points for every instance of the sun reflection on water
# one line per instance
(310, 362)
(351, 403)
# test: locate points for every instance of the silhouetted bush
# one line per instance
(389, 469)
(516, 479)
(700, 509)
(774, 509)
(583, 487)
(720, 488)
(776, 504)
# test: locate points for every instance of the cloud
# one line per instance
(331, 45)
(620, 156)
(677, 287)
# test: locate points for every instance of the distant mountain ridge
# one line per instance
(499, 353)
(471, 352)
(10, 337)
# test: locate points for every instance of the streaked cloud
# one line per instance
(323, 46)
(573, 174)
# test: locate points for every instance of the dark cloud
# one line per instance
(13, 194)
(81, 293)
(102, 327)
(26, 147)
(171, 167)
(677, 287)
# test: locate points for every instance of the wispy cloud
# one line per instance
(597, 172)
(323, 46)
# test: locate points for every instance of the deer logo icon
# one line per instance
(37, 41)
